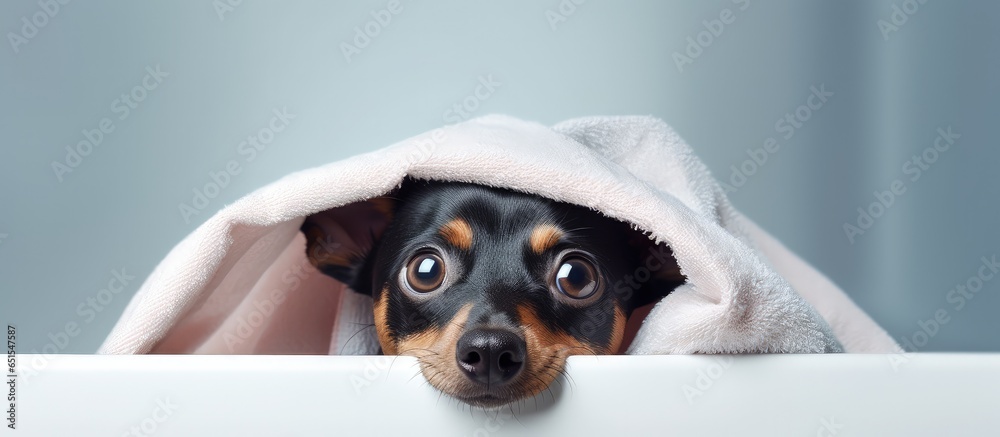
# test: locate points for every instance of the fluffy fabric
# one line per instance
(240, 283)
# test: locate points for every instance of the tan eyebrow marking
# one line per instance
(543, 237)
(458, 233)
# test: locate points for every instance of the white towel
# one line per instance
(240, 283)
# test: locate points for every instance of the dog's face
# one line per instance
(491, 289)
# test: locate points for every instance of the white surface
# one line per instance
(808, 395)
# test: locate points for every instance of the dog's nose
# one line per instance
(490, 356)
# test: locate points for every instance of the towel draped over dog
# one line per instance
(240, 283)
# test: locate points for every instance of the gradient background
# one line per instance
(60, 241)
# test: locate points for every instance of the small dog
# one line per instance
(490, 289)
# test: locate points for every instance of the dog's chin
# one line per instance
(487, 401)
(458, 387)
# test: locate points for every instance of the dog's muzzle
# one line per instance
(491, 357)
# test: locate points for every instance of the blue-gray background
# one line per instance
(60, 241)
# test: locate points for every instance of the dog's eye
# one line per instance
(425, 272)
(576, 278)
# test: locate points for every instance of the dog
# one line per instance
(489, 288)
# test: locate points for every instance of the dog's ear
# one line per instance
(340, 242)
(664, 273)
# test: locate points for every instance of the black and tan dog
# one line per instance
(489, 288)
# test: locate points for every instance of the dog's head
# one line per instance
(490, 289)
